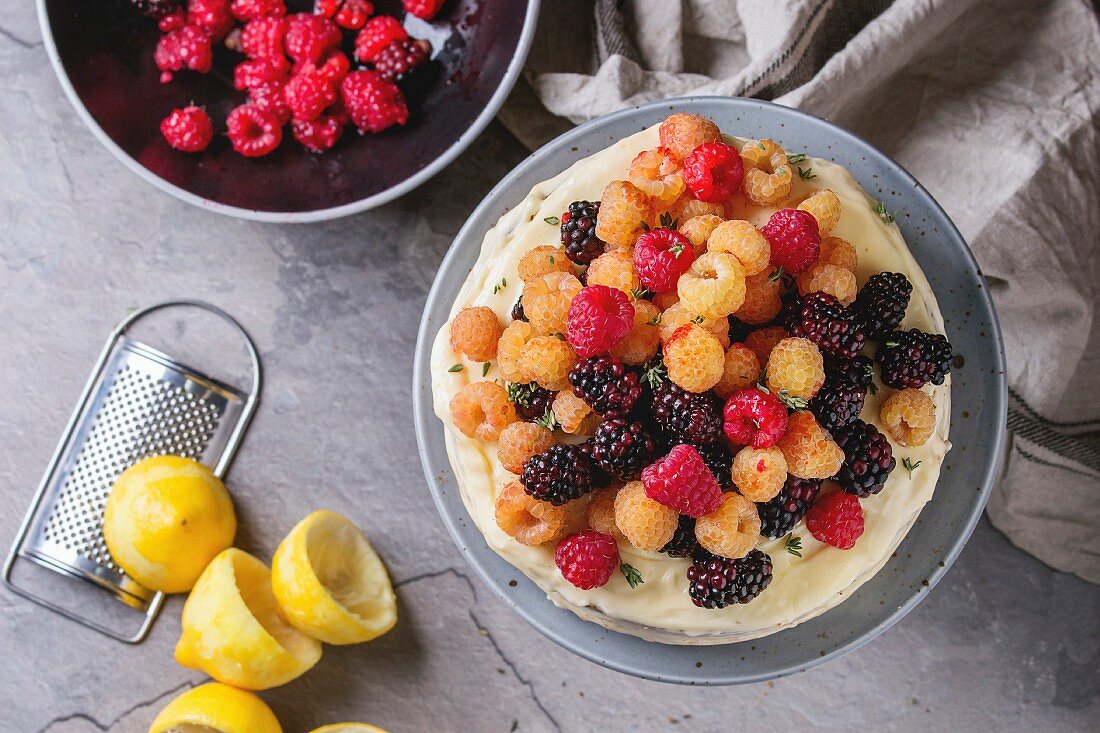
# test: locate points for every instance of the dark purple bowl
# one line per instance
(103, 55)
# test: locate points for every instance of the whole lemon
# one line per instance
(165, 519)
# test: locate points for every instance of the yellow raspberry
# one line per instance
(644, 338)
(601, 512)
(825, 207)
(825, 278)
(509, 345)
(809, 451)
(762, 300)
(546, 360)
(658, 175)
(713, 287)
(676, 316)
(616, 270)
(475, 332)
(688, 207)
(698, 230)
(546, 301)
(795, 368)
(570, 411)
(839, 252)
(543, 260)
(526, 519)
(646, 524)
(731, 530)
(745, 242)
(908, 416)
(481, 410)
(624, 209)
(664, 301)
(681, 133)
(519, 441)
(759, 473)
(694, 358)
(768, 175)
(763, 340)
(740, 370)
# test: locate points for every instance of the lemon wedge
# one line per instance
(331, 583)
(166, 518)
(348, 728)
(234, 632)
(216, 708)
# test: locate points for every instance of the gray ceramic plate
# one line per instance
(978, 399)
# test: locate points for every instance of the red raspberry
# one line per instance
(401, 58)
(334, 68)
(262, 37)
(188, 129)
(836, 519)
(682, 481)
(379, 32)
(326, 8)
(599, 317)
(188, 47)
(308, 93)
(253, 132)
(587, 559)
(309, 37)
(320, 134)
(270, 98)
(245, 10)
(713, 172)
(754, 418)
(425, 9)
(794, 238)
(373, 103)
(173, 21)
(260, 72)
(353, 14)
(661, 256)
(212, 16)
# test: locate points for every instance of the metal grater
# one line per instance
(138, 402)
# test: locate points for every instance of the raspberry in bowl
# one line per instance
(738, 440)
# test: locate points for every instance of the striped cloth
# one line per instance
(992, 104)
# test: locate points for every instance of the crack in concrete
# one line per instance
(21, 42)
(106, 727)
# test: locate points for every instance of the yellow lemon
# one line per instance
(348, 728)
(216, 708)
(234, 632)
(165, 518)
(330, 582)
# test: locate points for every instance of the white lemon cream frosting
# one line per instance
(660, 609)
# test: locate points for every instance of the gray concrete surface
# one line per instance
(1004, 643)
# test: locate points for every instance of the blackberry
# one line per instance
(913, 358)
(719, 460)
(881, 303)
(517, 311)
(717, 582)
(784, 511)
(531, 400)
(606, 385)
(822, 319)
(686, 417)
(868, 459)
(399, 59)
(840, 399)
(559, 474)
(155, 9)
(622, 448)
(578, 232)
(683, 542)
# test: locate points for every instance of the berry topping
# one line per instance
(353, 14)
(526, 519)
(373, 102)
(400, 58)
(822, 319)
(308, 93)
(424, 9)
(599, 318)
(245, 10)
(210, 16)
(794, 239)
(717, 582)
(714, 171)
(795, 371)
(475, 332)
(661, 256)
(320, 134)
(754, 418)
(188, 129)
(647, 524)
(768, 175)
(868, 458)
(720, 462)
(909, 416)
(185, 48)
(808, 450)
(587, 559)
(578, 232)
(517, 310)
(682, 133)
(759, 473)
(914, 358)
(686, 417)
(260, 72)
(378, 32)
(481, 410)
(519, 442)
(606, 385)
(694, 358)
(787, 508)
(624, 213)
(683, 542)
(836, 519)
(825, 207)
(732, 529)
(682, 481)
(310, 37)
(560, 473)
(531, 400)
(263, 37)
(621, 448)
(881, 303)
(253, 132)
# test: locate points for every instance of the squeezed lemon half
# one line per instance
(348, 728)
(330, 582)
(216, 708)
(166, 518)
(233, 629)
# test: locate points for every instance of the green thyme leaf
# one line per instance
(697, 320)
(641, 294)
(520, 393)
(909, 466)
(548, 420)
(551, 259)
(655, 320)
(873, 388)
(792, 402)
(485, 368)
(676, 249)
(655, 372)
(456, 368)
(644, 226)
(886, 216)
(668, 222)
(793, 545)
(552, 220)
(559, 335)
(796, 158)
(776, 275)
(806, 174)
(631, 574)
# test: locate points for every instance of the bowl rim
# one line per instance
(424, 412)
(504, 88)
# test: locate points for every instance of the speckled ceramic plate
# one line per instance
(103, 54)
(978, 399)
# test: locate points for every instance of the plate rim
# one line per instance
(504, 88)
(424, 413)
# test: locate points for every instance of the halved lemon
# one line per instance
(234, 632)
(348, 728)
(331, 583)
(216, 708)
